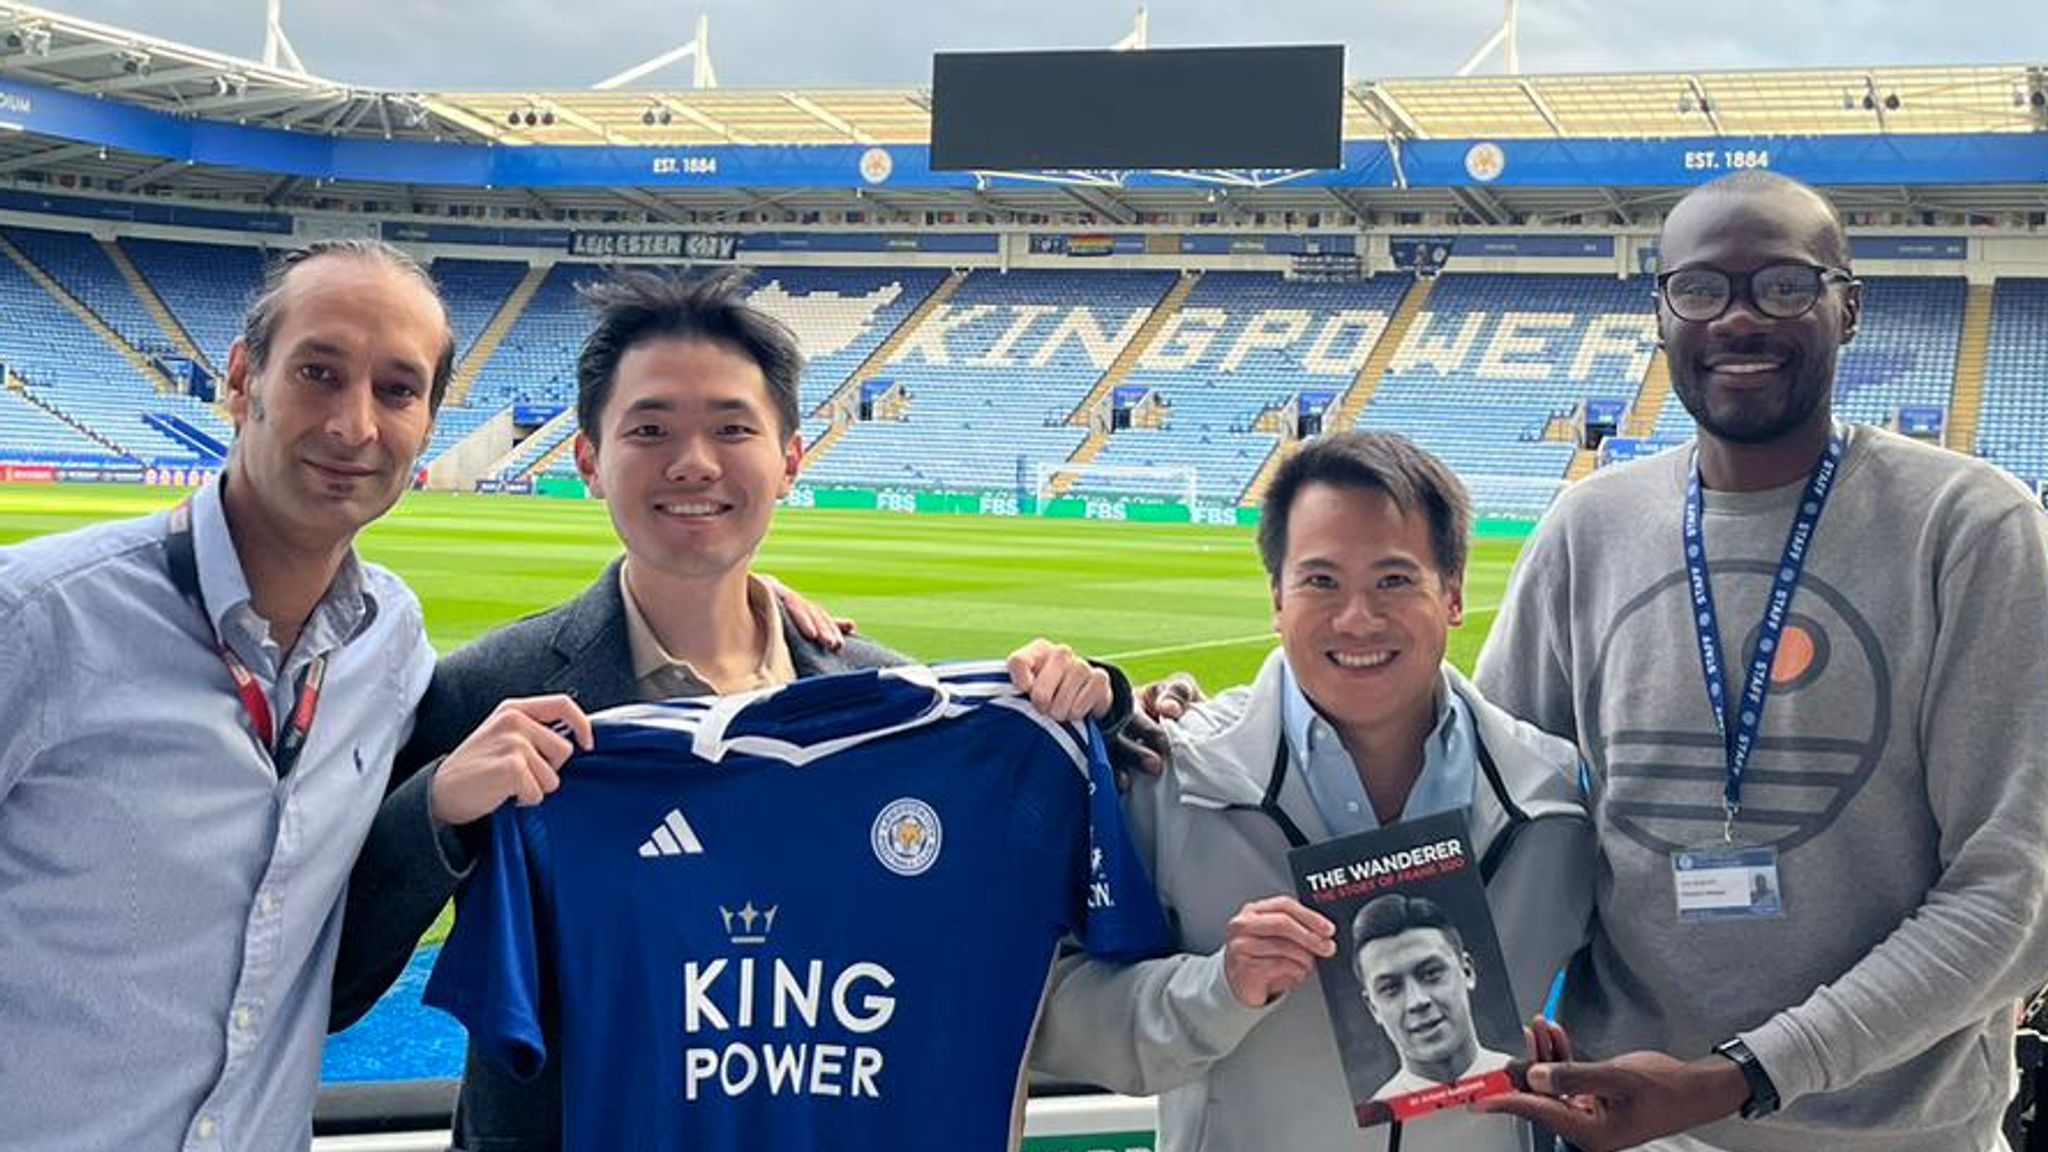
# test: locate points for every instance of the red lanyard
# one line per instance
(284, 751)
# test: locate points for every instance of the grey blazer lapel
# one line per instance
(591, 641)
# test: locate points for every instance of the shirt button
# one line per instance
(245, 1018)
(1351, 805)
(266, 903)
(206, 1128)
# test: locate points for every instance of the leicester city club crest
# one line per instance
(876, 165)
(1485, 162)
(906, 836)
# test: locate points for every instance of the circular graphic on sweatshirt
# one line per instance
(1663, 787)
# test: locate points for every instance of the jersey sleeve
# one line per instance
(489, 974)
(1118, 917)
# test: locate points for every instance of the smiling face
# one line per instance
(689, 457)
(329, 426)
(1363, 610)
(1748, 378)
(1418, 987)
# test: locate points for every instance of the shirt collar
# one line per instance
(1299, 715)
(651, 659)
(344, 613)
(222, 583)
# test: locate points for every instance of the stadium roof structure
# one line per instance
(57, 52)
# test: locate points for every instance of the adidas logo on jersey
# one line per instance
(672, 837)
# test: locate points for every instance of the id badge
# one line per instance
(1727, 882)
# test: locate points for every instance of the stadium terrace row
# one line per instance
(1112, 382)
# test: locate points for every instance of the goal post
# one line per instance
(1053, 481)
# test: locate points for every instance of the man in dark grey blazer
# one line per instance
(687, 397)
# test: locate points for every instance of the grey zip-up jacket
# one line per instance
(1236, 1079)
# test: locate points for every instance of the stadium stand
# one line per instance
(1904, 353)
(840, 315)
(77, 262)
(474, 290)
(1242, 344)
(536, 363)
(1495, 358)
(71, 370)
(2014, 432)
(206, 287)
(990, 378)
(31, 435)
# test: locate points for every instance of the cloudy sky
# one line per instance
(456, 44)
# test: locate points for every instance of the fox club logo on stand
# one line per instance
(906, 836)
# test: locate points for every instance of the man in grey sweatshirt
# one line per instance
(1882, 766)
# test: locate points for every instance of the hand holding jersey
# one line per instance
(516, 755)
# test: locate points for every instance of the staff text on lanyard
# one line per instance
(1739, 738)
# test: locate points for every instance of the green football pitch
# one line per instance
(1152, 598)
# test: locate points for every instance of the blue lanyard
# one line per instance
(1739, 743)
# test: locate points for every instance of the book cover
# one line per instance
(1418, 991)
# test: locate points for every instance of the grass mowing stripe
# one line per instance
(1157, 598)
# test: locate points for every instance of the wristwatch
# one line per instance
(1763, 1095)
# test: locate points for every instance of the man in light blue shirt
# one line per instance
(1334, 783)
(203, 706)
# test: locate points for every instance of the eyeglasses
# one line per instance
(1780, 291)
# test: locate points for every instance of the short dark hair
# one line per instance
(1395, 913)
(1372, 462)
(1764, 182)
(636, 307)
(266, 311)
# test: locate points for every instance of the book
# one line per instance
(1418, 991)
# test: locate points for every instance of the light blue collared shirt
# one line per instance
(1450, 762)
(169, 908)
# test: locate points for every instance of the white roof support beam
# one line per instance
(654, 205)
(1482, 204)
(1706, 105)
(1541, 105)
(86, 51)
(810, 108)
(151, 175)
(462, 118)
(48, 156)
(129, 82)
(1389, 112)
(1101, 203)
(697, 51)
(701, 120)
(578, 119)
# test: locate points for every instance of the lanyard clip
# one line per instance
(1728, 810)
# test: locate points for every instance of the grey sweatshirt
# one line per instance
(1902, 775)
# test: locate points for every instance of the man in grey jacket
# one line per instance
(1354, 723)
(1873, 741)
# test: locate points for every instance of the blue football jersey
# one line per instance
(815, 917)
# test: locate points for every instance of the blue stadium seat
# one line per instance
(991, 378)
(1494, 358)
(2013, 431)
(1242, 343)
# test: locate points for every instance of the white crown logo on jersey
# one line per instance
(906, 836)
(672, 837)
(747, 917)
